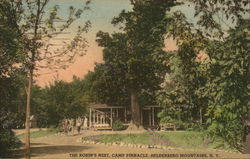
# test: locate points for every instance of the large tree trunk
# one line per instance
(136, 123)
(30, 82)
(27, 123)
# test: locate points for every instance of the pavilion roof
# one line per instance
(103, 106)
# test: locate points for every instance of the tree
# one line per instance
(129, 56)
(10, 77)
(37, 29)
(102, 87)
(181, 97)
(60, 100)
(217, 82)
(11, 54)
(227, 86)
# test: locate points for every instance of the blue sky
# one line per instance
(100, 15)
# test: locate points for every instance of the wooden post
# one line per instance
(116, 113)
(90, 116)
(94, 116)
(97, 117)
(153, 115)
(104, 118)
(125, 114)
(150, 116)
(111, 117)
(141, 117)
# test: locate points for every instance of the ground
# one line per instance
(62, 146)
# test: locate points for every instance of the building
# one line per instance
(102, 116)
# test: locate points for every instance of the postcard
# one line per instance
(124, 79)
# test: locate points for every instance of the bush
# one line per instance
(8, 140)
(118, 125)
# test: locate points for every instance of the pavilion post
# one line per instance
(150, 116)
(90, 116)
(116, 113)
(111, 117)
(104, 118)
(94, 121)
(125, 114)
(97, 116)
(153, 115)
(141, 117)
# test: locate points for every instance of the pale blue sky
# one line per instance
(100, 15)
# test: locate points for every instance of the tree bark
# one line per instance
(136, 123)
(27, 123)
(135, 108)
(30, 82)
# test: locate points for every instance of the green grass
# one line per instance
(126, 138)
(38, 134)
(187, 139)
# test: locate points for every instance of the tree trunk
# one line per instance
(19, 106)
(136, 123)
(201, 118)
(27, 124)
(135, 108)
(30, 82)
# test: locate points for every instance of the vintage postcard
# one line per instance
(124, 79)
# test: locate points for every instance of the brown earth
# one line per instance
(62, 146)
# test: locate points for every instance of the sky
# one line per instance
(100, 15)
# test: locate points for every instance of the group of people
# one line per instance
(69, 125)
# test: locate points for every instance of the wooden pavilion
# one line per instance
(102, 116)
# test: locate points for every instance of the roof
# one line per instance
(151, 106)
(103, 106)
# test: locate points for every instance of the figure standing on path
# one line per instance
(72, 124)
(85, 123)
(66, 126)
(78, 125)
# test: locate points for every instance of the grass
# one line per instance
(40, 133)
(185, 139)
(126, 138)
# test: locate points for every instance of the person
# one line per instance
(78, 125)
(71, 126)
(85, 123)
(66, 126)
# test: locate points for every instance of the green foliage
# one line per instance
(58, 101)
(227, 86)
(117, 125)
(10, 77)
(212, 90)
(8, 140)
(130, 67)
(12, 58)
(11, 51)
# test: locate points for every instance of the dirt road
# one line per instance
(62, 146)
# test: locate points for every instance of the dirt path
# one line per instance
(62, 146)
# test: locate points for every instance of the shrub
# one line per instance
(118, 125)
(8, 140)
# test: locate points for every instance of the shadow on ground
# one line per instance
(59, 149)
(40, 150)
(247, 145)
